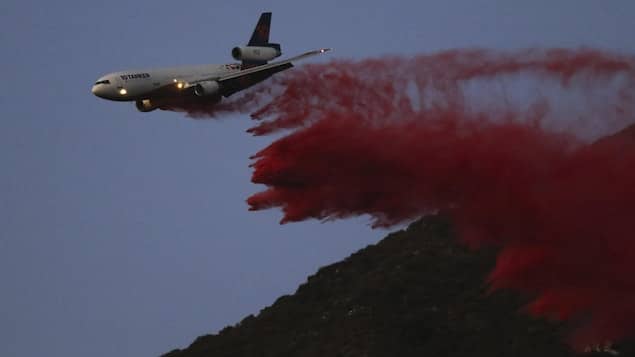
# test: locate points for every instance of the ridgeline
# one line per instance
(418, 292)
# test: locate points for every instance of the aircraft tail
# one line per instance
(260, 38)
(261, 32)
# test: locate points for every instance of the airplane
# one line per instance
(166, 88)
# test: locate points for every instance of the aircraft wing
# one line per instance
(236, 81)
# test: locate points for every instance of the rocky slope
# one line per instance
(416, 293)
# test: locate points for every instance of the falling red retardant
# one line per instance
(505, 143)
(561, 212)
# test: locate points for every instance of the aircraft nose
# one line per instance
(98, 91)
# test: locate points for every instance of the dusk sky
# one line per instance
(127, 234)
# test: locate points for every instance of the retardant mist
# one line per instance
(505, 143)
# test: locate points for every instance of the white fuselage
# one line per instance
(187, 87)
(139, 84)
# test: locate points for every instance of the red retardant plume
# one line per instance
(561, 213)
(506, 143)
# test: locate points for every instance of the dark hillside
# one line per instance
(416, 293)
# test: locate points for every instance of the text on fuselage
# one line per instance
(126, 77)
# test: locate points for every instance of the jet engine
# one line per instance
(145, 105)
(255, 53)
(207, 88)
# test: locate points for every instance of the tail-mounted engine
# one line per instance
(256, 53)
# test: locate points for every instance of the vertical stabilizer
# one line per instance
(260, 37)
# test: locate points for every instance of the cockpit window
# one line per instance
(105, 81)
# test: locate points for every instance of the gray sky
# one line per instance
(126, 233)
